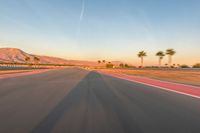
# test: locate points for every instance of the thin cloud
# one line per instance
(147, 27)
(81, 18)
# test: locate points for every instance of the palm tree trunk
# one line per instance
(142, 61)
(170, 60)
(159, 62)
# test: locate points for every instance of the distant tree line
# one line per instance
(111, 65)
(36, 60)
(160, 54)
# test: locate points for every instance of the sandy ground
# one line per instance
(190, 77)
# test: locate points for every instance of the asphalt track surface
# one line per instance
(80, 101)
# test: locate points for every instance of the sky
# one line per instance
(103, 29)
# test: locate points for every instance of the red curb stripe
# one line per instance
(183, 89)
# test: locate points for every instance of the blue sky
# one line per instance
(103, 29)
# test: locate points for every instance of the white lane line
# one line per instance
(164, 81)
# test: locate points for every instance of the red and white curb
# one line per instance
(188, 90)
(4, 76)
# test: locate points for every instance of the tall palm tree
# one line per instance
(104, 61)
(170, 53)
(160, 54)
(141, 55)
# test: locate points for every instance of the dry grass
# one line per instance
(179, 76)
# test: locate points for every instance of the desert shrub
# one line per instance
(196, 65)
(151, 67)
(184, 66)
(121, 65)
(126, 65)
(109, 65)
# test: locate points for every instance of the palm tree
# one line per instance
(141, 55)
(170, 53)
(99, 61)
(160, 54)
(27, 59)
(104, 61)
(36, 60)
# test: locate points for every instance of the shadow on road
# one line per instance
(73, 99)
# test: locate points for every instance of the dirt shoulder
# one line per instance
(178, 76)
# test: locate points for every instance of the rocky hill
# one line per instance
(11, 55)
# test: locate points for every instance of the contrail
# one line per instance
(81, 17)
(82, 10)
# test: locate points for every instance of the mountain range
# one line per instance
(15, 55)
